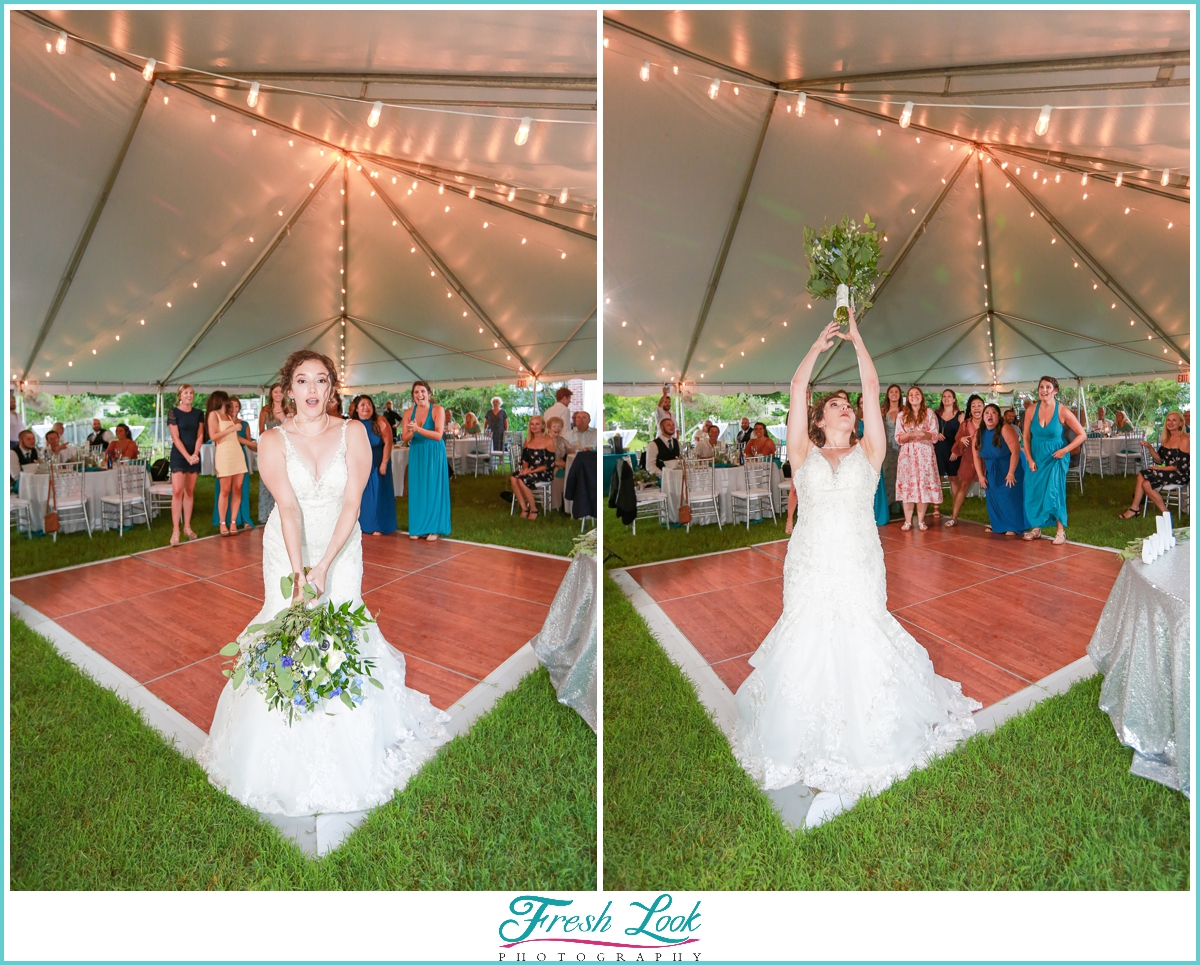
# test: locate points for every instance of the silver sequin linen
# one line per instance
(566, 645)
(1142, 645)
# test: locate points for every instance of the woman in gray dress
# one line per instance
(272, 415)
(891, 412)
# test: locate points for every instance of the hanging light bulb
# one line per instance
(252, 97)
(1117, 182)
(1057, 177)
(512, 193)
(563, 195)
(1083, 181)
(376, 110)
(1043, 121)
(523, 131)
(148, 70)
(61, 44)
(906, 114)
(471, 193)
(800, 102)
(644, 73)
(441, 189)
(1166, 177)
(714, 87)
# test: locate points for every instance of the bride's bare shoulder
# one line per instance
(271, 441)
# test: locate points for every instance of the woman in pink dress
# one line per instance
(917, 479)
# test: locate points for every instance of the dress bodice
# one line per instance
(320, 499)
(1048, 437)
(418, 439)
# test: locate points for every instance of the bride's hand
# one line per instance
(825, 340)
(316, 578)
(851, 335)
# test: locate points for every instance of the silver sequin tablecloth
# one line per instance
(1143, 646)
(566, 645)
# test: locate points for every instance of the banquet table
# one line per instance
(457, 450)
(1143, 646)
(725, 480)
(399, 468)
(208, 459)
(566, 645)
(1109, 447)
(35, 486)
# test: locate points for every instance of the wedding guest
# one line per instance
(964, 443)
(760, 444)
(1047, 456)
(1101, 424)
(470, 425)
(562, 449)
(392, 417)
(1174, 446)
(243, 504)
(228, 459)
(428, 481)
(1121, 423)
(57, 450)
(495, 420)
(580, 435)
(60, 429)
(662, 448)
(122, 447)
(561, 408)
(891, 415)
(537, 466)
(917, 480)
(187, 435)
(272, 415)
(26, 450)
(99, 438)
(663, 410)
(746, 433)
(15, 424)
(377, 510)
(1010, 417)
(702, 448)
(995, 456)
(949, 417)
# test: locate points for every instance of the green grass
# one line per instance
(1045, 802)
(476, 512)
(100, 801)
(1092, 520)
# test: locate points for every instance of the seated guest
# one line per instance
(1121, 423)
(562, 449)
(537, 466)
(1172, 457)
(561, 407)
(26, 448)
(580, 436)
(702, 447)
(122, 447)
(470, 425)
(99, 437)
(452, 428)
(1101, 424)
(746, 433)
(58, 450)
(662, 448)
(760, 443)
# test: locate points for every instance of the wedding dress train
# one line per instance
(335, 759)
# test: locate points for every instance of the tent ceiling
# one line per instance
(714, 291)
(172, 240)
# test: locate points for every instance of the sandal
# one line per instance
(174, 539)
(410, 536)
(906, 527)
(1128, 514)
(988, 529)
(922, 526)
(952, 521)
(1035, 533)
(191, 534)
(224, 530)
(1060, 539)
(431, 538)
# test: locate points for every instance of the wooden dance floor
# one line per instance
(455, 610)
(994, 612)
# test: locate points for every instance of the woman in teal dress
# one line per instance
(377, 509)
(882, 516)
(243, 513)
(995, 453)
(428, 476)
(1046, 458)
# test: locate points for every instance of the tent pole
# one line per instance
(1083, 403)
(345, 285)
(987, 265)
(85, 236)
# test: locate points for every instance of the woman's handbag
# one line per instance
(50, 524)
(685, 511)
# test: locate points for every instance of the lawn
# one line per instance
(477, 514)
(1044, 802)
(100, 801)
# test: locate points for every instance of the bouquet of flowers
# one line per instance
(304, 656)
(843, 260)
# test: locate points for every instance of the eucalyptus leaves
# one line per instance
(303, 656)
(844, 254)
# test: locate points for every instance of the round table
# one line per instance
(457, 449)
(725, 480)
(35, 486)
(1110, 446)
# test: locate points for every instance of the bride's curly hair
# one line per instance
(817, 414)
(293, 362)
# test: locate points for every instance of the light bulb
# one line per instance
(1117, 182)
(252, 97)
(1043, 121)
(1083, 180)
(644, 73)
(523, 131)
(563, 195)
(166, 100)
(512, 193)
(1166, 177)
(61, 44)
(800, 101)
(1035, 174)
(714, 87)
(1057, 177)
(148, 70)
(906, 114)
(471, 193)
(441, 189)
(376, 110)
(563, 256)
(1018, 170)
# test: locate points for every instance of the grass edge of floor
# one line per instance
(102, 800)
(1044, 802)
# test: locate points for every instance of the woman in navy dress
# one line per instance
(186, 426)
(377, 511)
(996, 455)
(428, 476)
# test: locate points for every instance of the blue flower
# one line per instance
(335, 692)
(298, 701)
(356, 698)
(262, 665)
(306, 636)
(286, 661)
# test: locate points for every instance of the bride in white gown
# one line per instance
(336, 759)
(841, 697)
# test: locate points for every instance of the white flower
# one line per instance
(334, 660)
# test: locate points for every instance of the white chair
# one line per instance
(651, 504)
(1131, 451)
(69, 500)
(129, 502)
(482, 453)
(702, 490)
(1076, 472)
(160, 496)
(756, 488)
(1093, 449)
(20, 510)
(785, 487)
(1182, 494)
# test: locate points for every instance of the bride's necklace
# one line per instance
(296, 422)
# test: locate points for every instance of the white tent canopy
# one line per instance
(169, 231)
(706, 197)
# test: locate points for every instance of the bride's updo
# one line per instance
(817, 414)
(294, 361)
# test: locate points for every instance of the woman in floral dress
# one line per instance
(917, 481)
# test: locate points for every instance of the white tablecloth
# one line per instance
(96, 485)
(399, 469)
(725, 481)
(1109, 447)
(457, 449)
(208, 464)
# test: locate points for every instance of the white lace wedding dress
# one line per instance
(842, 698)
(336, 759)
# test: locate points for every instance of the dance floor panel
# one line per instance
(455, 610)
(995, 613)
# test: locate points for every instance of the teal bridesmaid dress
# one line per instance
(428, 484)
(1046, 489)
(882, 517)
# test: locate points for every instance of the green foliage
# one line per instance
(64, 408)
(139, 405)
(842, 254)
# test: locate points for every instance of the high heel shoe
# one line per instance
(174, 539)
(191, 534)
(224, 530)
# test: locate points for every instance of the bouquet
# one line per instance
(843, 260)
(303, 656)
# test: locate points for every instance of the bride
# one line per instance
(841, 697)
(316, 466)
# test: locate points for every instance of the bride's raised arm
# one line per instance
(797, 425)
(272, 469)
(358, 470)
(874, 441)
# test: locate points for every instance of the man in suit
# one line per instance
(746, 432)
(99, 438)
(663, 448)
(26, 448)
